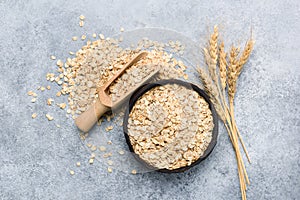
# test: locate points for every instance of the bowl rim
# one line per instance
(146, 87)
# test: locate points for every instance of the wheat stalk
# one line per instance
(235, 70)
(233, 73)
(227, 76)
(212, 91)
(211, 58)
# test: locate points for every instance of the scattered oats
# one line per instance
(78, 164)
(33, 100)
(93, 148)
(110, 162)
(58, 94)
(89, 145)
(53, 57)
(62, 105)
(93, 155)
(91, 160)
(133, 171)
(109, 128)
(122, 29)
(48, 87)
(100, 121)
(71, 53)
(69, 111)
(81, 23)
(49, 101)
(59, 63)
(108, 118)
(83, 37)
(30, 93)
(107, 155)
(83, 136)
(121, 152)
(94, 35)
(101, 36)
(49, 117)
(109, 170)
(34, 115)
(74, 38)
(102, 148)
(109, 142)
(185, 76)
(57, 125)
(81, 17)
(72, 172)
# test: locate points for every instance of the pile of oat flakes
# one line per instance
(98, 61)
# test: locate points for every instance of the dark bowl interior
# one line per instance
(143, 89)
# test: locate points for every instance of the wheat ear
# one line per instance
(213, 45)
(239, 65)
(212, 91)
(211, 54)
(222, 65)
(232, 71)
(211, 58)
(245, 56)
(222, 68)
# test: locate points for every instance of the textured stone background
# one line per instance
(35, 156)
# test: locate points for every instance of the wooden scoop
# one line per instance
(103, 103)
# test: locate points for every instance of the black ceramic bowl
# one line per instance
(143, 89)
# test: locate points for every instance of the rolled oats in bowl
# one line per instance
(170, 125)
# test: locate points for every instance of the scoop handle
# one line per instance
(87, 119)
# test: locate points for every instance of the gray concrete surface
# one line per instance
(35, 156)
